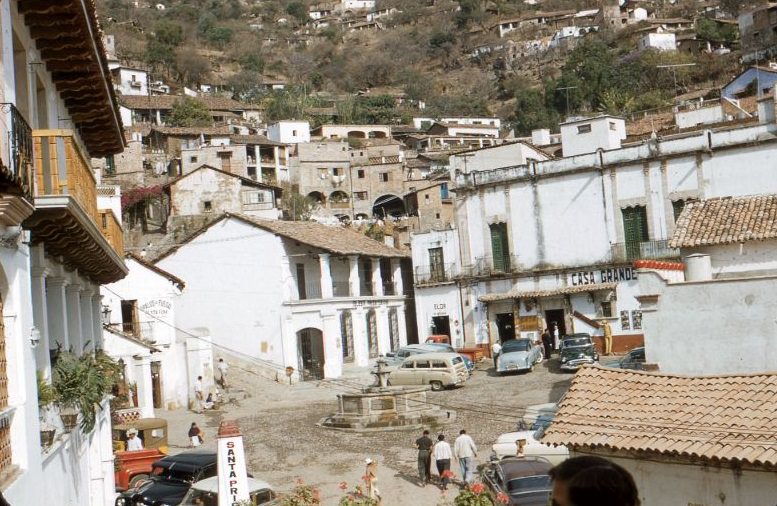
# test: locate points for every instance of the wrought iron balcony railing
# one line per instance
(438, 273)
(645, 250)
(16, 155)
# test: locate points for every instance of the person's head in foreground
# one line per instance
(592, 481)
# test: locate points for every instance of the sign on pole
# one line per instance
(233, 480)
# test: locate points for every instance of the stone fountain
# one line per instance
(382, 407)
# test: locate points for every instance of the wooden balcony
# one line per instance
(66, 219)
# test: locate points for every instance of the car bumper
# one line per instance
(512, 367)
(574, 365)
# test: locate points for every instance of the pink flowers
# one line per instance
(447, 474)
(343, 485)
(502, 498)
(478, 488)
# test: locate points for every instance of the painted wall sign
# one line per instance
(608, 275)
(233, 479)
(441, 309)
(157, 307)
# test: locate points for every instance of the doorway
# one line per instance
(556, 315)
(311, 354)
(505, 326)
(156, 384)
(441, 326)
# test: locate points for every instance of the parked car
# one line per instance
(439, 370)
(438, 338)
(506, 445)
(524, 480)
(132, 467)
(576, 350)
(635, 359)
(206, 493)
(535, 412)
(402, 353)
(518, 355)
(170, 480)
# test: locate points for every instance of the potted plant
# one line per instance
(46, 397)
(81, 384)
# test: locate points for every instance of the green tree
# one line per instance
(298, 10)
(252, 62)
(188, 112)
(531, 112)
(158, 54)
(168, 33)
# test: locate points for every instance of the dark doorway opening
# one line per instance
(156, 384)
(557, 316)
(441, 326)
(311, 354)
(505, 326)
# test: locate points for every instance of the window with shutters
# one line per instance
(436, 265)
(500, 248)
(635, 230)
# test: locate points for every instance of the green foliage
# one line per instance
(252, 62)
(531, 112)
(441, 38)
(298, 10)
(708, 29)
(188, 112)
(168, 33)
(83, 382)
(296, 207)
(158, 54)
(473, 495)
(302, 495)
(46, 393)
(470, 12)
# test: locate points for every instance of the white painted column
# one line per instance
(87, 324)
(143, 380)
(361, 345)
(377, 279)
(97, 319)
(73, 303)
(324, 260)
(333, 351)
(40, 319)
(289, 284)
(354, 282)
(276, 155)
(396, 267)
(384, 330)
(402, 324)
(56, 306)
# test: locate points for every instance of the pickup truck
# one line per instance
(134, 467)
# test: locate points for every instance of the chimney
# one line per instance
(698, 267)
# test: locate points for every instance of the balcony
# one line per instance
(341, 288)
(430, 274)
(647, 250)
(16, 171)
(66, 218)
(112, 230)
(490, 266)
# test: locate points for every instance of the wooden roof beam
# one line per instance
(47, 7)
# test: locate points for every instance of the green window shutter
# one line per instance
(635, 230)
(500, 250)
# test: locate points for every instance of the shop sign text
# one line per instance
(609, 275)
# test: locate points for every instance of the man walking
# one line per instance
(198, 398)
(442, 455)
(496, 349)
(547, 343)
(223, 367)
(465, 451)
(424, 445)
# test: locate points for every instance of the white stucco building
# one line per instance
(130, 81)
(660, 41)
(289, 132)
(59, 245)
(291, 294)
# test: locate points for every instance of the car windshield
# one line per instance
(577, 342)
(516, 345)
(528, 483)
(167, 473)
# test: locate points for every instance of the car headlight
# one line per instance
(563, 360)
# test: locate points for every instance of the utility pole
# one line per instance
(566, 92)
(674, 71)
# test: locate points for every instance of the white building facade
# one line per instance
(342, 298)
(289, 132)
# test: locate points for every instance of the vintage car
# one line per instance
(518, 355)
(507, 444)
(576, 351)
(402, 353)
(524, 480)
(206, 493)
(171, 479)
(438, 370)
(635, 359)
(132, 467)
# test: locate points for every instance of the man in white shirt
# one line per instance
(496, 349)
(133, 441)
(198, 398)
(465, 451)
(442, 455)
(223, 367)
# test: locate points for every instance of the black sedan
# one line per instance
(523, 480)
(171, 479)
(635, 359)
(577, 350)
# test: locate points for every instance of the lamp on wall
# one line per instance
(34, 336)
(106, 312)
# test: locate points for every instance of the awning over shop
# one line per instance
(567, 290)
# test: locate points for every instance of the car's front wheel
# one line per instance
(138, 478)
(436, 385)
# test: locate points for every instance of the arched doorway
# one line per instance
(388, 205)
(372, 333)
(310, 344)
(317, 197)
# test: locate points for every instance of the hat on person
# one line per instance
(132, 432)
(368, 461)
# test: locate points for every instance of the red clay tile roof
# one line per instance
(530, 294)
(725, 221)
(164, 102)
(711, 418)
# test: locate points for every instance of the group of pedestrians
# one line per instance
(464, 451)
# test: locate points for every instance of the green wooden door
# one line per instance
(635, 230)
(500, 250)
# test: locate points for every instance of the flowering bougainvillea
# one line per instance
(474, 495)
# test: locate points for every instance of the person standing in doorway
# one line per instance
(466, 452)
(556, 336)
(547, 344)
(442, 455)
(223, 367)
(496, 349)
(198, 397)
(424, 445)
(195, 435)
(371, 479)
(607, 337)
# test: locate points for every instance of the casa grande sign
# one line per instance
(607, 275)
